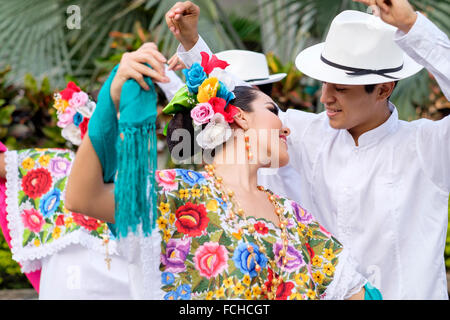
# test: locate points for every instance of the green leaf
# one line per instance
(30, 83)
(22, 197)
(27, 237)
(61, 184)
(45, 86)
(6, 114)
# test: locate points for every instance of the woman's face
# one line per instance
(267, 136)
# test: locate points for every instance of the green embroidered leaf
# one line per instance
(36, 202)
(225, 241)
(27, 237)
(22, 197)
(22, 172)
(35, 156)
(214, 219)
(61, 184)
(215, 237)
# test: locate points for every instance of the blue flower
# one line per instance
(222, 203)
(167, 278)
(172, 295)
(191, 177)
(224, 93)
(184, 292)
(77, 119)
(50, 202)
(194, 77)
(246, 261)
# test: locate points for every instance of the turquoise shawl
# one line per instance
(129, 162)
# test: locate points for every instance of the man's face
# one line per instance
(348, 106)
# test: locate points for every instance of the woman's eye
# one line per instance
(274, 110)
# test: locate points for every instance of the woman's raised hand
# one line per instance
(132, 66)
(182, 20)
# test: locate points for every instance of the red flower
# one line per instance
(284, 289)
(261, 228)
(209, 64)
(67, 93)
(83, 127)
(90, 224)
(218, 105)
(191, 219)
(310, 250)
(36, 182)
(60, 220)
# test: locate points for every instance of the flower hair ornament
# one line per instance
(207, 94)
(74, 109)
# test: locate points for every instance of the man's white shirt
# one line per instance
(386, 199)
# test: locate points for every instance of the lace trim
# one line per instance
(347, 281)
(143, 255)
(30, 258)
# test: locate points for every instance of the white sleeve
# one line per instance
(430, 47)
(171, 87)
(433, 145)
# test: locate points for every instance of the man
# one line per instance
(379, 184)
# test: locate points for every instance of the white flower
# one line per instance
(72, 134)
(225, 77)
(216, 132)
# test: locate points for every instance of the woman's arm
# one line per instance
(86, 193)
(2, 166)
(358, 296)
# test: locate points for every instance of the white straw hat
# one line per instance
(359, 49)
(249, 66)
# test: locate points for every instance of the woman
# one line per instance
(219, 235)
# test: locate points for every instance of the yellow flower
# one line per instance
(300, 279)
(207, 90)
(44, 160)
(309, 233)
(237, 235)
(172, 218)
(296, 296)
(68, 221)
(311, 294)
(328, 269)
(247, 280)
(196, 193)
(37, 243)
(328, 254)
(256, 291)
(164, 207)
(318, 277)
(61, 105)
(206, 190)
(220, 293)
(228, 282)
(167, 235)
(238, 288)
(212, 205)
(56, 233)
(162, 223)
(184, 193)
(28, 163)
(317, 261)
(209, 295)
(248, 294)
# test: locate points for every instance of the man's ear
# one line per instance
(241, 120)
(384, 90)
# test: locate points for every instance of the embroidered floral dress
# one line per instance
(204, 256)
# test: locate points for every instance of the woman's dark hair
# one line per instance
(244, 96)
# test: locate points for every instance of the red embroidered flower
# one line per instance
(209, 64)
(71, 88)
(192, 219)
(59, 220)
(36, 182)
(310, 250)
(90, 224)
(284, 289)
(83, 127)
(261, 228)
(218, 105)
(33, 220)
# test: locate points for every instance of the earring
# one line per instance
(247, 147)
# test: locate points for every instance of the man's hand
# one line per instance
(132, 67)
(182, 20)
(398, 13)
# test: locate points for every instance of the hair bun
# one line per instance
(181, 120)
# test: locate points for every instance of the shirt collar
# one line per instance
(377, 134)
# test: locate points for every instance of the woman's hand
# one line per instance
(175, 63)
(182, 20)
(132, 66)
(398, 13)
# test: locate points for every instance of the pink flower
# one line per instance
(66, 118)
(166, 179)
(33, 220)
(211, 259)
(202, 113)
(78, 100)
